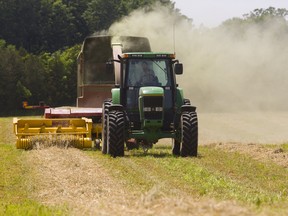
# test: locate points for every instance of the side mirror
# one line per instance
(178, 68)
(109, 67)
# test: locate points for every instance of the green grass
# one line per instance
(15, 197)
(6, 131)
(215, 173)
(284, 146)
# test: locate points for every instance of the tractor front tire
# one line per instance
(189, 134)
(116, 133)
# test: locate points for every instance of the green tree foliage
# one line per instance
(61, 81)
(11, 68)
(100, 19)
(260, 19)
(42, 25)
(60, 26)
(259, 15)
(48, 77)
(40, 65)
(18, 21)
(49, 25)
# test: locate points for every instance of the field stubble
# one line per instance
(90, 183)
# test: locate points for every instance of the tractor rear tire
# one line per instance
(105, 106)
(189, 134)
(116, 133)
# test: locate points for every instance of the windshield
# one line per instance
(145, 72)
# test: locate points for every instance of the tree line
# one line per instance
(40, 41)
(50, 25)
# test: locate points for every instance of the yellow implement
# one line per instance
(32, 132)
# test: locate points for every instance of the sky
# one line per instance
(212, 13)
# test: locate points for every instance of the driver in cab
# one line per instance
(148, 76)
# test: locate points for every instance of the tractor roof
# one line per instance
(148, 55)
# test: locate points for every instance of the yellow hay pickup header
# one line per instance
(79, 129)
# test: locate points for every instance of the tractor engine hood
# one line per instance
(151, 106)
(151, 91)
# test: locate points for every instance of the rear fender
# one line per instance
(115, 107)
(188, 108)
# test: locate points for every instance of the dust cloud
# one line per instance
(223, 70)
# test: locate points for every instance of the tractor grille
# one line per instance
(153, 107)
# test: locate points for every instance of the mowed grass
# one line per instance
(15, 179)
(217, 174)
(283, 147)
(260, 185)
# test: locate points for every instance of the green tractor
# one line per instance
(147, 105)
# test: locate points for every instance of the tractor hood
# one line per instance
(151, 91)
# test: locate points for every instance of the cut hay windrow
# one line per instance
(59, 140)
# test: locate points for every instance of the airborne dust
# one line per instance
(223, 71)
(236, 75)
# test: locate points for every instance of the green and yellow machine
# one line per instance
(140, 113)
(84, 122)
(116, 108)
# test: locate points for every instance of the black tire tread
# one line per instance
(116, 133)
(189, 134)
(105, 106)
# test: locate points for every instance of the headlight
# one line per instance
(153, 109)
(158, 109)
(147, 109)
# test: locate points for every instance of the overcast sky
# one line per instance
(211, 13)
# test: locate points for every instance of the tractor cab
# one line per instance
(149, 78)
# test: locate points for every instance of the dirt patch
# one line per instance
(70, 177)
(257, 151)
